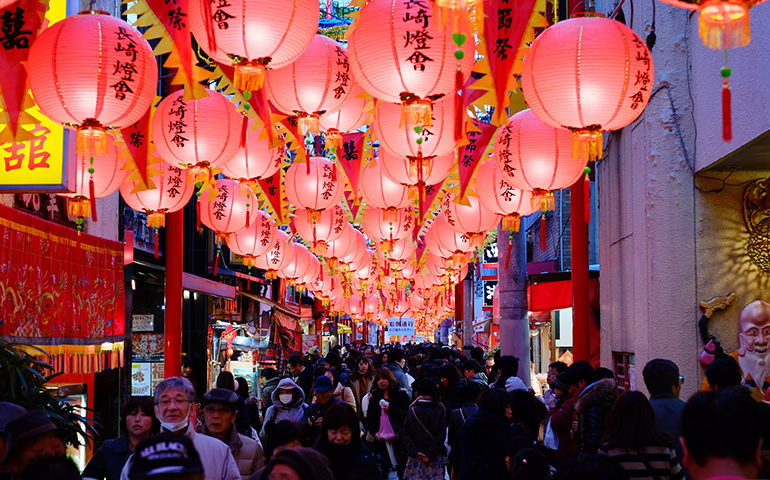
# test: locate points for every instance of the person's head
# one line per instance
(53, 467)
(723, 373)
(471, 367)
(631, 423)
(384, 380)
(369, 353)
(280, 435)
(295, 364)
(242, 387)
(8, 412)
(495, 401)
(448, 374)
(269, 373)
(577, 376)
(220, 407)
(527, 410)
(508, 366)
(340, 427)
(489, 364)
(754, 328)
(322, 389)
(334, 360)
(186, 367)
(31, 436)
(722, 425)
(226, 380)
(528, 464)
(560, 389)
(603, 372)
(425, 387)
(173, 403)
(593, 466)
(299, 464)
(661, 376)
(364, 368)
(166, 456)
(396, 355)
(138, 419)
(555, 368)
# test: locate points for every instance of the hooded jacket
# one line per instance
(293, 411)
(267, 391)
(592, 407)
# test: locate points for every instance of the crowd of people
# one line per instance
(421, 412)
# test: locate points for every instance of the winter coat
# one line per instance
(316, 410)
(480, 447)
(457, 419)
(593, 405)
(402, 381)
(248, 453)
(562, 416)
(425, 429)
(218, 462)
(399, 404)
(278, 411)
(345, 394)
(109, 459)
(267, 391)
(352, 462)
(479, 382)
(361, 386)
(452, 397)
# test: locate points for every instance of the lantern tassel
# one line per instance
(459, 105)
(587, 199)
(216, 262)
(156, 243)
(727, 120)
(543, 236)
(198, 217)
(92, 197)
(508, 252)
(244, 130)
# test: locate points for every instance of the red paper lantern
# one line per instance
(401, 140)
(299, 262)
(314, 186)
(173, 189)
(381, 192)
(97, 177)
(589, 75)
(357, 251)
(353, 114)
(255, 159)
(431, 240)
(400, 53)
(230, 210)
(537, 157)
(92, 71)
(320, 228)
(369, 267)
(340, 248)
(274, 260)
(318, 82)
(417, 170)
(473, 219)
(354, 306)
(198, 133)
(458, 244)
(499, 196)
(255, 240)
(382, 228)
(253, 35)
(403, 249)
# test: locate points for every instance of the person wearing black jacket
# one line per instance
(424, 433)
(395, 406)
(314, 415)
(340, 442)
(303, 375)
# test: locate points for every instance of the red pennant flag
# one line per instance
(431, 191)
(351, 201)
(420, 248)
(350, 155)
(504, 25)
(24, 19)
(271, 186)
(292, 125)
(137, 140)
(175, 19)
(469, 156)
(257, 101)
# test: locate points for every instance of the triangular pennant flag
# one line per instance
(291, 125)
(174, 18)
(504, 25)
(431, 191)
(272, 187)
(257, 101)
(137, 140)
(469, 155)
(354, 207)
(420, 248)
(349, 155)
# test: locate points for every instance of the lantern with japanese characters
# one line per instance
(354, 306)
(274, 259)
(317, 83)
(499, 196)
(416, 170)
(255, 240)
(313, 186)
(384, 230)
(299, 262)
(255, 159)
(92, 71)
(340, 248)
(253, 35)
(402, 140)
(97, 177)
(354, 113)
(230, 210)
(589, 75)
(473, 218)
(379, 191)
(198, 134)
(458, 244)
(400, 53)
(320, 228)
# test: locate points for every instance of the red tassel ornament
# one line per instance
(543, 237)
(727, 117)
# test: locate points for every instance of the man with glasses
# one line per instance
(220, 408)
(174, 398)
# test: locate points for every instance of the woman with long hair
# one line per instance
(631, 440)
(424, 433)
(386, 398)
(361, 382)
(340, 442)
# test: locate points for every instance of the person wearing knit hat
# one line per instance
(299, 464)
(30, 436)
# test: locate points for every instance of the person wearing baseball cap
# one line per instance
(220, 408)
(166, 456)
(322, 390)
(30, 436)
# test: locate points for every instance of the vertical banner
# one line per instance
(272, 188)
(470, 154)
(504, 25)
(136, 138)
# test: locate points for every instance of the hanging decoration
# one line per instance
(350, 155)
(721, 23)
(401, 139)
(274, 260)
(314, 186)
(354, 113)
(255, 159)
(255, 240)
(321, 228)
(380, 191)
(135, 138)
(92, 71)
(253, 35)
(272, 188)
(473, 219)
(601, 85)
(381, 226)
(470, 154)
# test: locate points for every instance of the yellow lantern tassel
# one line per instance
(587, 144)
(724, 24)
(249, 74)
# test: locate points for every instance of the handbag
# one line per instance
(551, 441)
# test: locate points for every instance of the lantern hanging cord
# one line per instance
(617, 9)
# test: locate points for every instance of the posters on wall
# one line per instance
(143, 322)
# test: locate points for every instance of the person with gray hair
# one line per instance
(174, 399)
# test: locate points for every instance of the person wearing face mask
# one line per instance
(288, 404)
(174, 398)
(340, 442)
(138, 422)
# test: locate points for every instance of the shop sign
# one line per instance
(143, 322)
(141, 379)
(399, 327)
(489, 293)
(147, 347)
(490, 253)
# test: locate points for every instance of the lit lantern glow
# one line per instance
(274, 260)
(320, 228)
(721, 23)
(499, 196)
(353, 114)
(380, 191)
(380, 227)
(473, 219)
(255, 159)
(315, 186)
(255, 240)
(401, 139)
(230, 210)
(416, 170)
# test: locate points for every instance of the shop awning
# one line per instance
(266, 301)
(553, 291)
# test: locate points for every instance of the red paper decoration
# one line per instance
(602, 82)
(400, 139)
(92, 71)
(254, 34)
(473, 219)
(320, 228)
(384, 228)
(255, 159)
(721, 23)
(318, 82)
(255, 240)
(198, 133)
(173, 189)
(275, 258)
(499, 196)
(315, 186)
(230, 210)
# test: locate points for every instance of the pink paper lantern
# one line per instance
(535, 156)
(473, 219)
(298, 262)
(320, 228)
(381, 192)
(403, 249)
(252, 35)
(369, 268)
(399, 138)
(353, 114)
(92, 71)
(316, 186)
(274, 259)
(354, 306)
(255, 240)
(231, 210)
(255, 159)
(589, 75)
(198, 133)
(342, 247)
(413, 171)
(318, 82)
(456, 243)
(173, 189)
(385, 230)
(499, 196)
